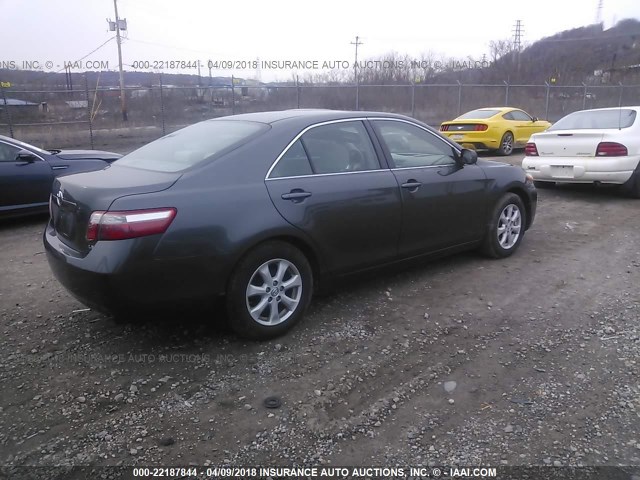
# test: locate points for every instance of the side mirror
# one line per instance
(468, 157)
(535, 119)
(25, 156)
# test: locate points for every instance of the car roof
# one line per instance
(6, 139)
(308, 115)
(500, 109)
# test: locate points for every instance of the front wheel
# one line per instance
(506, 227)
(506, 144)
(269, 291)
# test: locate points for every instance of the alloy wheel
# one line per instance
(509, 226)
(507, 144)
(274, 292)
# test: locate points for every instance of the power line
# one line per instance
(603, 36)
(91, 52)
(129, 39)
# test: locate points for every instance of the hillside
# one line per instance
(571, 57)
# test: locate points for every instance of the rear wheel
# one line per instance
(632, 186)
(506, 227)
(269, 291)
(506, 144)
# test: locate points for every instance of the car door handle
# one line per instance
(296, 195)
(411, 184)
(59, 167)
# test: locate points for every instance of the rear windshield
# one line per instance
(622, 118)
(191, 145)
(473, 114)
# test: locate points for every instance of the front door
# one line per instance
(443, 204)
(23, 184)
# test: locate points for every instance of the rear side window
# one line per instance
(339, 147)
(622, 118)
(192, 145)
(293, 163)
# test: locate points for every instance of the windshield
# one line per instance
(191, 145)
(478, 114)
(588, 119)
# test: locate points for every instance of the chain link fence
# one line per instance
(91, 117)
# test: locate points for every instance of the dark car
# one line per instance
(263, 207)
(27, 173)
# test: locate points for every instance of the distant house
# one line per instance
(76, 103)
(22, 106)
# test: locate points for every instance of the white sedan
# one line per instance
(589, 146)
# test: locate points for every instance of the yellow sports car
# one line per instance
(500, 129)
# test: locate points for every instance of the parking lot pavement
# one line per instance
(531, 360)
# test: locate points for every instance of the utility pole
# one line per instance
(599, 12)
(517, 41)
(355, 72)
(123, 99)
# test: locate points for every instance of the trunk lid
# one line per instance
(75, 197)
(86, 155)
(573, 143)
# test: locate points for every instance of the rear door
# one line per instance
(23, 184)
(444, 205)
(330, 184)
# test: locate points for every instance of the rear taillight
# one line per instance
(480, 128)
(611, 149)
(530, 150)
(128, 224)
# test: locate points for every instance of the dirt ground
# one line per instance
(531, 360)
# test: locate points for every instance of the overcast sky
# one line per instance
(66, 30)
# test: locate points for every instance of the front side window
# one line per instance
(411, 146)
(8, 153)
(192, 145)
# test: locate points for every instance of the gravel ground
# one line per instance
(531, 360)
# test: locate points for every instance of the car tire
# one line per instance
(506, 144)
(262, 280)
(539, 184)
(508, 218)
(631, 187)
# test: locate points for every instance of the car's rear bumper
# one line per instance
(123, 275)
(615, 170)
(475, 140)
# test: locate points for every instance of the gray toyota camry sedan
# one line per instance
(262, 208)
